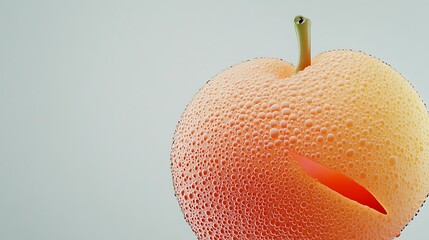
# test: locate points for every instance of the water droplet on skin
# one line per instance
(308, 123)
(273, 123)
(275, 107)
(286, 111)
(393, 160)
(349, 123)
(292, 117)
(350, 153)
(285, 104)
(296, 131)
(330, 137)
(274, 133)
(256, 100)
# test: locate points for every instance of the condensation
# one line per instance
(233, 173)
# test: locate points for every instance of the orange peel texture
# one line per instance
(238, 150)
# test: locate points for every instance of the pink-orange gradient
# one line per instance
(339, 183)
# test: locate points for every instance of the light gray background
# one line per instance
(90, 93)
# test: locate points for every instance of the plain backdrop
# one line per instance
(91, 91)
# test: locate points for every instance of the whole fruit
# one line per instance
(337, 148)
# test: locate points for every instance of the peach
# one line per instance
(337, 148)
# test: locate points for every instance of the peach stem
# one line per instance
(302, 28)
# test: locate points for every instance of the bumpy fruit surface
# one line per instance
(233, 171)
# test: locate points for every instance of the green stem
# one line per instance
(302, 28)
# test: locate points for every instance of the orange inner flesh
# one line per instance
(340, 183)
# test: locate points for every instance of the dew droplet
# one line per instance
(330, 137)
(349, 123)
(393, 160)
(308, 123)
(275, 107)
(274, 132)
(319, 138)
(286, 111)
(350, 153)
(362, 142)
